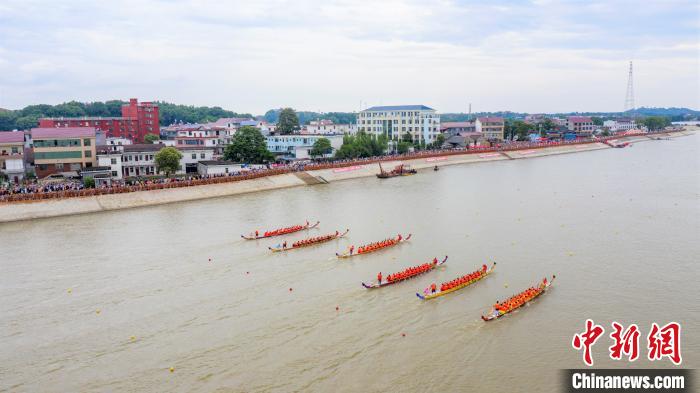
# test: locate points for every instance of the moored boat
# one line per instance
(279, 232)
(372, 247)
(406, 274)
(459, 283)
(517, 301)
(399, 170)
(312, 241)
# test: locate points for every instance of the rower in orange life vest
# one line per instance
(379, 277)
(483, 268)
(256, 233)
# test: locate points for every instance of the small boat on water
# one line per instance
(279, 232)
(518, 300)
(437, 168)
(407, 274)
(458, 283)
(399, 170)
(312, 241)
(372, 247)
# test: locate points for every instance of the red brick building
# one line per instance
(138, 119)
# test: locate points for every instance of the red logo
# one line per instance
(662, 342)
(665, 342)
(587, 339)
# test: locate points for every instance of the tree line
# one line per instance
(28, 116)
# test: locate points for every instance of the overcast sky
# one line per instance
(250, 56)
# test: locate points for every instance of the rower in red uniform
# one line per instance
(256, 233)
(483, 267)
(379, 277)
(433, 287)
(435, 261)
(400, 237)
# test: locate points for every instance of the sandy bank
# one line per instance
(53, 208)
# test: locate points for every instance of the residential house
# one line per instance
(12, 155)
(63, 149)
(297, 146)
(492, 128)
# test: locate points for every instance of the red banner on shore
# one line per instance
(347, 169)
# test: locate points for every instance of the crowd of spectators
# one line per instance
(34, 190)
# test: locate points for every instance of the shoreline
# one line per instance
(10, 212)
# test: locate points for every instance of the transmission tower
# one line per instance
(629, 99)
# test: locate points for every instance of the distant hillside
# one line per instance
(169, 113)
(305, 117)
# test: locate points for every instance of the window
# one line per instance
(88, 154)
(194, 156)
(114, 173)
(86, 142)
(201, 156)
(114, 161)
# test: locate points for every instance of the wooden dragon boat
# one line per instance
(352, 253)
(281, 231)
(308, 242)
(386, 283)
(495, 314)
(458, 287)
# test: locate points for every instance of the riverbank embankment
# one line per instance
(91, 204)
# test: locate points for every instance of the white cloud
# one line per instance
(331, 55)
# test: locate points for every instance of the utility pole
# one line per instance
(629, 98)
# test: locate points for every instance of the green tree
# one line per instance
(249, 146)
(521, 129)
(151, 138)
(403, 147)
(362, 145)
(168, 160)
(597, 120)
(288, 121)
(407, 137)
(321, 147)
(89, 182)
(26, 122)
(654, 123)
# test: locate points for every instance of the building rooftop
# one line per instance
(456, 124)
(491, 119)
(11, 137)
(63, 132)
(95, 169)
(88, 118)
(580, 119)
(398, 108)
(143, 147)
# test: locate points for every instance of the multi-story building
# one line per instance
(327, 127)
(420, 121)
(137, 120)
(106, 157)
(297, 146)
(492, 128)
(622, 124)
(457, 127)
(63, 149)
(139, 159)
(12, 155)
(581, 125)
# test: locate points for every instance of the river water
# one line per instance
(112, 301)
